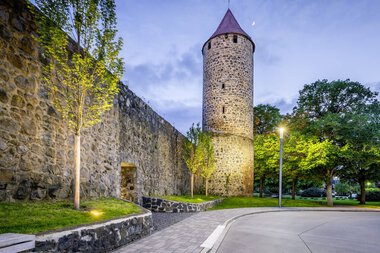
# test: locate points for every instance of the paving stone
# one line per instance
(188, 234)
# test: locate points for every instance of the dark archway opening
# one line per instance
(128, 182)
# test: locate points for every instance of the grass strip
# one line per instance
(42, 216)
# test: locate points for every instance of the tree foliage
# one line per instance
(337, 113)
(190, 154)
(266, 157)
(296, 146)
(82, 67)
(207, 157)
(267, 118)
(198, 154)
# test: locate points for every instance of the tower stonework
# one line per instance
(228, 106)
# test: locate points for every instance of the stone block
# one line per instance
(18, 101)
(15, 60)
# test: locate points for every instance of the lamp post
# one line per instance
(280, 181)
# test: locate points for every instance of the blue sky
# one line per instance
(297, 42)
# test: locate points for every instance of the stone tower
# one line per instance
(228, 106)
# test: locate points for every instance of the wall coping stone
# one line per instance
(156, 204)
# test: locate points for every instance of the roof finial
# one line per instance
(228, 4)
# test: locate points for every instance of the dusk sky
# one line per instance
(297, 43)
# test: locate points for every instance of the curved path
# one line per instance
(304, 232)
(204, 231)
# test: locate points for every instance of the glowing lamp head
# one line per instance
(281, 132)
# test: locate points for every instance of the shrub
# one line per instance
(371, 195)
(342, 189)
(314, 192)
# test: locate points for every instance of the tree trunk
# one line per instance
(261, 187)
(77, 172)
(294, 182)
(362, 191)
(329, 192)
(192, 185)
(206, 187)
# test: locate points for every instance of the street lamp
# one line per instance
(280, 181)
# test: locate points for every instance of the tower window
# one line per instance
(234, 39)
(223, 110)
(209, 45)
(223, 86)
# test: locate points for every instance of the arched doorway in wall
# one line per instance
(128, 182)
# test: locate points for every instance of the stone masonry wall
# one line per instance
(150, 143)
(36, 148)
(228, 112)
(168, 206)
(102, 237)
(228, 84)
(234, 166)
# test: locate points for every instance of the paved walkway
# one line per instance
(188, 235)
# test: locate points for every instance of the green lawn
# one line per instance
(189, 199)
(36, 217)
(237, 202)
(347, 202)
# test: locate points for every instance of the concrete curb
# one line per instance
(212, 243)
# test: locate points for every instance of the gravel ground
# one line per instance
(163, 220)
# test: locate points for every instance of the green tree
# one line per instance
(362, 165)
(206, 157)
(344, 188)
(266, 143)
(320, 109)
(267, 118)
(191, 154)
(296, 147)
(82, 67)
(322, 159)
(266, 158)
(362, 135)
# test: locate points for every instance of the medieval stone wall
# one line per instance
(36, 148)
(150, 143)
(228, 111)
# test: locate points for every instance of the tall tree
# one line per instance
(320, 108)
(82, 67)
(190, 154)
(296, 146)
(266, 121)
(362, 134)
(207, 157)
(323, 159)
(266, 158)
(267, 118)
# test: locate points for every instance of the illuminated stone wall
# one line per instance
(36, 149)
(228, 112)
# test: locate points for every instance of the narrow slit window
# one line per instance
(235, 39)
(209, 45)
(223, 86)
(223, 110)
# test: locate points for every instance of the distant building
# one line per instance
(228, 106)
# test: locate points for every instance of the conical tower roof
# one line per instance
(229, 24)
